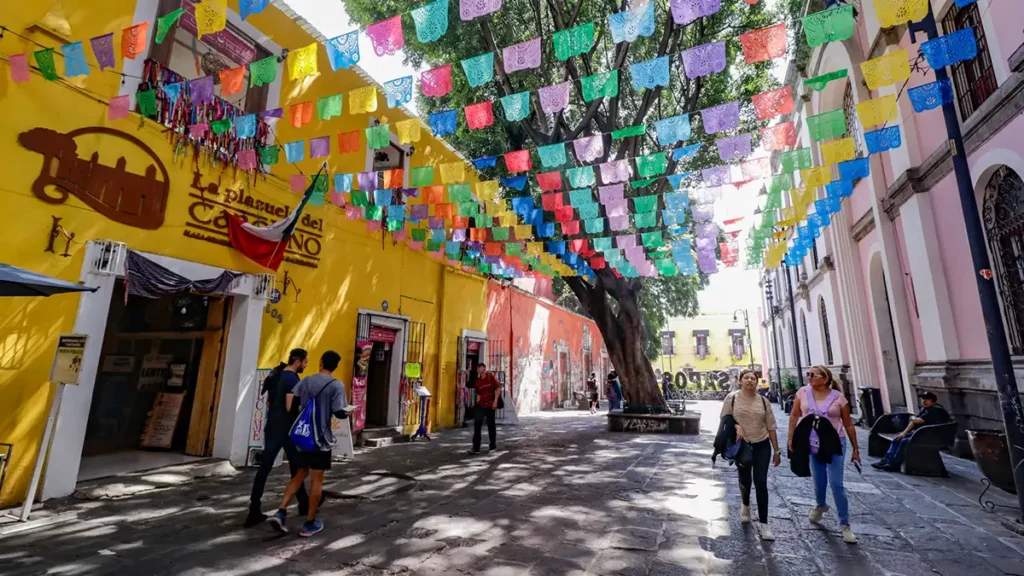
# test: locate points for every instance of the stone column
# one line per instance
(856, 325)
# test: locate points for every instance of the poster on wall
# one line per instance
(259, 419)
(67, 359)
(163, 420)
(360, 373)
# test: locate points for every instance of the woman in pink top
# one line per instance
(822, 397)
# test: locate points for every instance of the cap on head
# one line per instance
(928, 396)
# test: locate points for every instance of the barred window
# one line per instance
(973, 80)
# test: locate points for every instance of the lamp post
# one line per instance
(772, 311)
(1006, 381)
(746, 326)
(796, 334)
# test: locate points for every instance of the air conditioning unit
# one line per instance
(107, 257)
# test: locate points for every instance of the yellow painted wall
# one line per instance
(357, 269)
(719, 342)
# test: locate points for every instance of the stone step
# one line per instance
(397, 438)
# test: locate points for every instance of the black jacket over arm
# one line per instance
(725, 437)
(828, 444)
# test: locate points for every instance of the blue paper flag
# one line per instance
(173, 92)
(675, 180)
(485, 162)
(950, 48)
(673, 129)
(438, 235)
(649, 74)
(884, 139)
(342, 182)
(452, 247)
(443, 123)
(343, 51)
(685, 151)
(931, 95)
(854, 169)
(399, 91)
(74, 60)
(535, 217)
(522, 205)
(295, 151)
(247, 8)
(245, 126)
(839, 188)
(396, 212)
(516, 182)
(556, 248)
(677, 200)
(383, 197)
(545, 229)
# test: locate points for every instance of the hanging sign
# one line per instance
(378, 334)
(67, 360)
(360, 374)
(412, 370)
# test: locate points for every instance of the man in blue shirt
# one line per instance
(276, 386)
(329, 393)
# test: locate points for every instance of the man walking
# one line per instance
(276, 386)
(488, 391)
(329, 394)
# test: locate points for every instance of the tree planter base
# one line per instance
(688, 423)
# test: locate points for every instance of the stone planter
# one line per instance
(992, 455)
(688, 423)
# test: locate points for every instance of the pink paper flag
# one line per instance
(415, 244)
(625, 242)
(198, 130)
(19, 68)
(338, 199)
(118, 107)
(247, 159)
(354, 212)
(616, 208)
(298, 183)
(616, 171)
(373, 225)
(618, 222)
(399, 235)
(610, 193)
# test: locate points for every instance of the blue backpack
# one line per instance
(306, 432)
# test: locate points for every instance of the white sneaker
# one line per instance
(766, 533)
(816, 514)
(744, 513)
(848, 536)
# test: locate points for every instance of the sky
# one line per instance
(729, 289)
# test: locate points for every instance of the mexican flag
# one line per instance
(266, 245)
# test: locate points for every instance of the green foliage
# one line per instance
(790, 381)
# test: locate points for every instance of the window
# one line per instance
(814, 253)
(853, 127)
(738, 344)
(824, 331)
(806, 342)
(973, 80)
(700, 344)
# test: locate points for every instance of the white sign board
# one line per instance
(67, 360)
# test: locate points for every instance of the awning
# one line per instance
(16, 281)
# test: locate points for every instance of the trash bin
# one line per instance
(871, 402)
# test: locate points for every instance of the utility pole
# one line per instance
(796, 334)
(772, 311)
(1006, 381)
(750, 340)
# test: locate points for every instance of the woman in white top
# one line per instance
(755, 423)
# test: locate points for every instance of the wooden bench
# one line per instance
(921, 453)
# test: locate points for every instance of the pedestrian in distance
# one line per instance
(592, 392)
(488, 399)
(614, 391)
(276, 387)
(823, 398)
(327, 395)
(755, 425)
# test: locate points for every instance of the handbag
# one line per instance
(744, 455)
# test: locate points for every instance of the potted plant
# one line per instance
(992, 456)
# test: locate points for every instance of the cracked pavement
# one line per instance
(560, 496)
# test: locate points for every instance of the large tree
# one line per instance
(626, 310)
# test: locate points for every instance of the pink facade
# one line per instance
(894, 268)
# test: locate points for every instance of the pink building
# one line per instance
(888, 295)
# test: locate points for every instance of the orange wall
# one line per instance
(538, 329)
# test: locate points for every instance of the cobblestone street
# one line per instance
(560, 496)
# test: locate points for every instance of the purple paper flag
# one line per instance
(201, 90)
(435, 223)
(625, 242)
(554, 98)
(523, 56)
(367, 181)
(704, 60)
(610, 193)
(617, 223)
(273, 113)
(616, 208)
(734, 147)
(588, 149)
(721, 118)
(716, 176)
(419, 212)
(686, 11)
(103, 49)
(458, 234)
(616, 171)
(706, 230)
(319, 147)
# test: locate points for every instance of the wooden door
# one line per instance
(208, 381)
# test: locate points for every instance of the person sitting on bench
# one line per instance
(930, 413)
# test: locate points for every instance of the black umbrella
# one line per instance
(20, 282)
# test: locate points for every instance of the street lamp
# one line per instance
(746, 323)
(773, 311)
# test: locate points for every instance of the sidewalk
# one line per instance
(561, 496)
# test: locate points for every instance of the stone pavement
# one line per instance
(561, 496)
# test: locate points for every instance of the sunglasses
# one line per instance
(814, 375)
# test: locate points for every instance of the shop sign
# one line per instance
(137, 200)
(412, 370)
(67, 360)
(225, 41)
(206, 220)
(378, 334)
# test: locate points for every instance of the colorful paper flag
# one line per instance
(103, 50)
(133, 41)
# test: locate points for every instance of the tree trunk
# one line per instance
(623, 334)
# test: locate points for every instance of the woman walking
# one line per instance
(755, 424)
(822, 397)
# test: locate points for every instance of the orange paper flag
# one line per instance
(231, 81)
(133, 40)
(347, 141)
(302, 113)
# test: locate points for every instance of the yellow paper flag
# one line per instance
(408, 130)
(363, 100)
(508, 219)
(453, 172)
(895, 12)
(534, 248)
(819, 176)
(524, 231)
(886, 69)
(302, 62)
(838, 151)
(877, 111)
(211, 16)
(487, 190)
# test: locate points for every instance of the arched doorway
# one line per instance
(886, 331)
(1003, 214)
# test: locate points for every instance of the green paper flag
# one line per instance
(645, 203)
(646, 219)
(581, 197)
(552, 156)
(468, 209)
(374, 212)
(321, 183)
(269, 155)
(164, 23)
(328, 107)
(421, 176)
(574, 41)
(781, 182)
(218, 126)
(484, 220)
(652, 239)
(360, 198)
(419, 234)
(500, 234)
(594, 225)
(602, 244)
(818, 82)
(44, 59)
(395, 225)
(796, 159)
(433, 245)
(589, 211)
(603, 85)
(147, 105)
(652, 164)
(458, 193)
(643, 183)
(666, 267)
(828, 125)
(580, 177)
(263, 71)
(377, 137)
(514, 248)
(832, 25)
(627, 132)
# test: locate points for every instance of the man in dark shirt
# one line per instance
(276, 386)
(487, 393)
(930, 413)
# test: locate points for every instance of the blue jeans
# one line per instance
(894, 456)
(832, 473)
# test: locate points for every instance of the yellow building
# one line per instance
(710, 342)
(193, 360)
